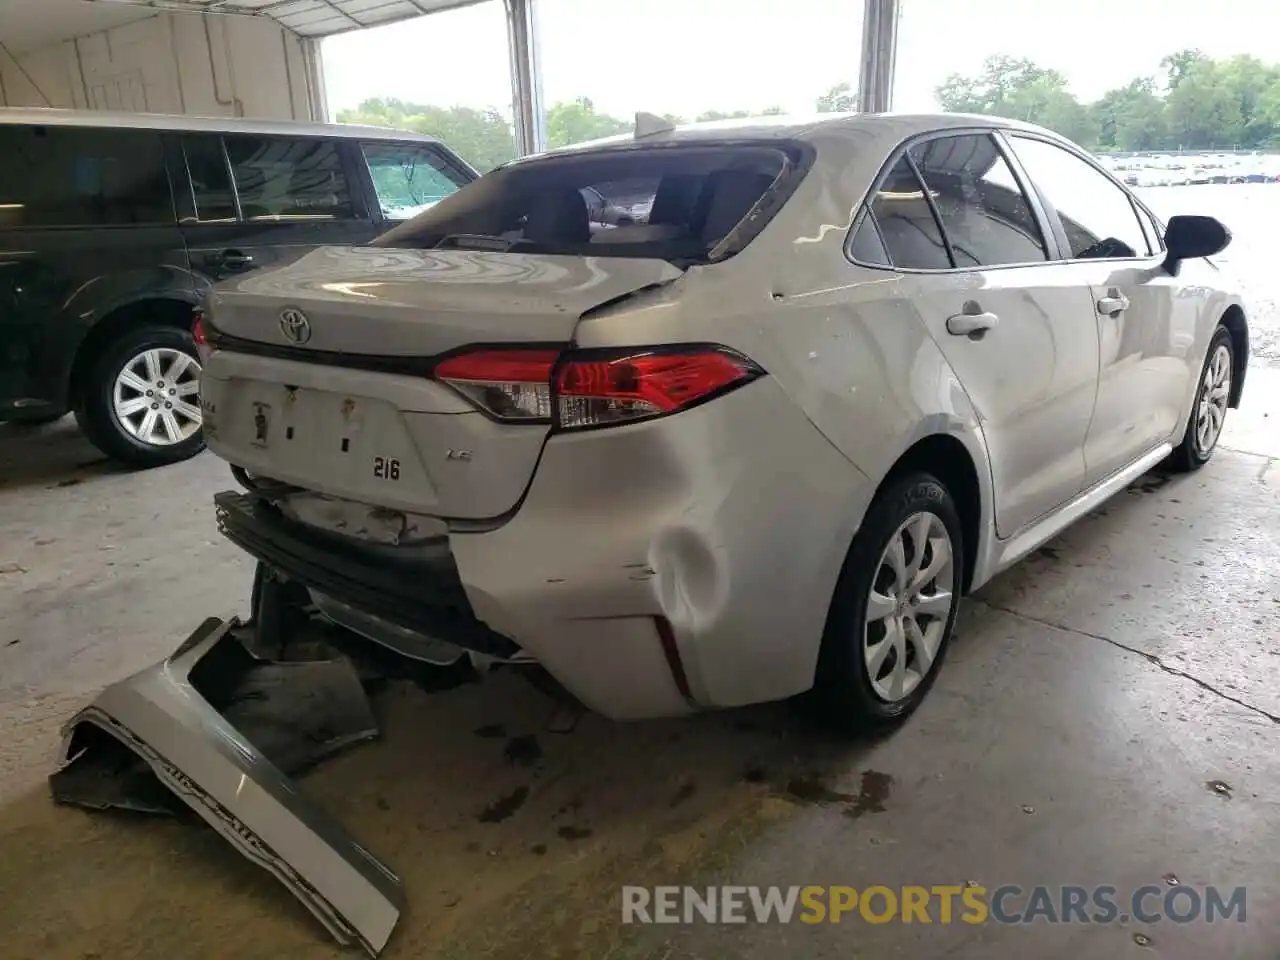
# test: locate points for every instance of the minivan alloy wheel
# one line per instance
(156, 396)
(909, 607)
(1211, 411)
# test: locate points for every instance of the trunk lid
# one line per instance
(349, 410)
(420, 303)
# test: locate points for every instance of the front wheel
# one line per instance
(140, 403)
(1209, 411)
(894, 609)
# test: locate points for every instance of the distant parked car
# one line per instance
(763, 440)
(114, 226)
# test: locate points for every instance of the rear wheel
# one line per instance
(894, 608)
(1209, 412)
(141, 400)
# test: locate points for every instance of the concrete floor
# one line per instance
(1092, 695)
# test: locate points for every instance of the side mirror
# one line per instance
(1193, 237)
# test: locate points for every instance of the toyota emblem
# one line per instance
(294, 325)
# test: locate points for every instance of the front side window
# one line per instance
(1096, 213)
(71, 176)
(908, 227)
(683, 204)
(289, 178)
(985, 215)
(408, 178)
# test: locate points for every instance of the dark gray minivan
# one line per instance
(113, 227)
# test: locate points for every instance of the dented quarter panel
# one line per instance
(198, 755)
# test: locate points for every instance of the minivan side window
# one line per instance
(79, 177)
(289, 178)
(408, 178)
(211, 193)
(985, 216)
(1096, 213)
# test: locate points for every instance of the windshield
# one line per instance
(677, 203)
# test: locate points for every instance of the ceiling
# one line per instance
(27, 24)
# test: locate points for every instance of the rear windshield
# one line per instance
(684, 204)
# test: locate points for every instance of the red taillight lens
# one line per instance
(510, 385)
(598, 392)
(592, 389)
(200, 335)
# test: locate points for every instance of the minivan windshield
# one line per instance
(678, 203)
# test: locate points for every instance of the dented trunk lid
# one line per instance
(320, 372)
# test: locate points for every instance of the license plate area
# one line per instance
(327, 440)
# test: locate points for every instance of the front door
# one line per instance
(260, 201)
(1145, 331)
(1018, 333)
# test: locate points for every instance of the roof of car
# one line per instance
(46, 116)
(896, 126)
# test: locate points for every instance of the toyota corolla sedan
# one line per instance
(760, 440)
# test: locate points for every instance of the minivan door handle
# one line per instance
(233, 259)
(1113, 304)
(972, 322)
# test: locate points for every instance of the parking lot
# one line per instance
(1109, 716)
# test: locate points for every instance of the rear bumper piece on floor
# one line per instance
(162, 715)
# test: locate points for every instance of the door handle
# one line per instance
(973, 322)
(234, 259)
(1113, 304)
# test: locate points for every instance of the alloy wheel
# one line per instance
(156, 397)
(1211, 409)
(913, 591)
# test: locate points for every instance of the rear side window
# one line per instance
(211, 192)
(70, 176)
(289, 178)
(409, 178)
(985, 215)
(684, 204)
(907, 224)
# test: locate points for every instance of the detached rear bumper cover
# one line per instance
(159, 715)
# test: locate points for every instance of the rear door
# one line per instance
(87, 225)
(1145, 331)
(256, 201)
(1019, 333)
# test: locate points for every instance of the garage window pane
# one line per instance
(283, 178)
(51, 176)
(987, 218)
(907, 225)
(408, 178)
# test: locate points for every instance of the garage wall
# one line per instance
(173, 63)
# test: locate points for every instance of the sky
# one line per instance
(689, 56)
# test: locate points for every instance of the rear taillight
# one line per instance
(592, 389)
(200, 335)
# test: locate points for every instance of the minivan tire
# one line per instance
(844, 691)
(95, 408)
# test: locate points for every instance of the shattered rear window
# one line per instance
(686, 204)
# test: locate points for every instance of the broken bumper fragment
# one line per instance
(164, 715)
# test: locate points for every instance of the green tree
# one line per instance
(839, 99)
(483, 138)
(1203, 110)
(1131, 118)
(577, 121)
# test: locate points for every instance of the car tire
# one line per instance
(130, 437)
(1213, 395)
(850, 697)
